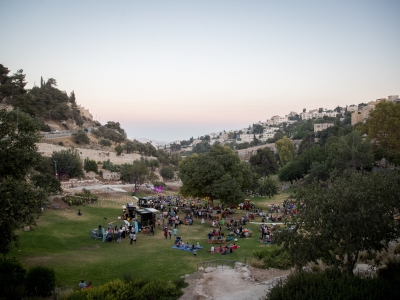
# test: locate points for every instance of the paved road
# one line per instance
(101, 187)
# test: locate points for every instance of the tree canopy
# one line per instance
(338, 220)
(383, 130)
(264, 162)
(217, 174)
(21, 199)
(285, 149)
(137, 173)
(69, 163)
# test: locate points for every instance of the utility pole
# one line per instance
(55, 167)
(17, 118)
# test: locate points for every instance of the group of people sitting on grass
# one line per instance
(267, 233)
(181, 244)
(223, 249)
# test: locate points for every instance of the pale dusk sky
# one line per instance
(170, 70)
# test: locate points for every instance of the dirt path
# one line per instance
(242, 282)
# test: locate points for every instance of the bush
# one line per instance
(273, 258)
(391, 270)
(45, 127)
(119, 149)
(13, 280)
(81, 198)
(90, 165)
(40, 281)
(159, 183)
(80, 137)
(132, 288)
(105, 143)
(332, 285)
(167, 173)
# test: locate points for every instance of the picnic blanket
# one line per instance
(186, 248)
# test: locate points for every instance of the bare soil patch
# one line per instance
(223, 284)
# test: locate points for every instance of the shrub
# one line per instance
(80, 137)
(133, 288)
(105, 143)
(256, 262)
(391, 270)
(90, 165)
(40, 281)
(60, 143)
(13, 279)
(159, 183)
(80, 198)
(332, 285)
(119, 149)
(273, 258)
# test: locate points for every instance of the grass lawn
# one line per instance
(61, 241)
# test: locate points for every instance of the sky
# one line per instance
(171, 70)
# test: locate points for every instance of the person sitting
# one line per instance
(82, 284)
(225, 251)
(79, 213)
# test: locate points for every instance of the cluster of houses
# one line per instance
(359, 114)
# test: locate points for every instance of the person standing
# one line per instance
(194, 252)
(134, 237)
(175, 232)
(169, 233)
(123, 232)
(119, 233)
(212, 249)
(151, 230)
(165, 232)
(131, 237)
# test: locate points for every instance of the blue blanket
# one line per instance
(187, 249)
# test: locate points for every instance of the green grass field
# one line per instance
(61, 241)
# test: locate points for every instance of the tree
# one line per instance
(383, 131)
(68, 163)
(21, 200)
(258, 129)
(167, 173)
(352, 153)
(217, 174)
(278, 135)
(81, 137)
(11, 86)
(72, 98)
(90, 165)
(105, 143)
(136, 173)
(268, 187)
(338, 220)
(175, 147)
(285, 149)
(119, 149)
(202, 147)
(129, 146)
(47, 182)
(264, 162)
(175, 158)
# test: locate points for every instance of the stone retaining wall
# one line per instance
(97, 155)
